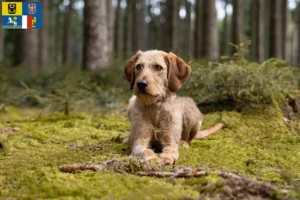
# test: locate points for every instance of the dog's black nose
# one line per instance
(142, 84)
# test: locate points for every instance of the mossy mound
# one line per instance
(256, 144)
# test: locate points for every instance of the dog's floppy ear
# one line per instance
(178, 71)
(129, 69)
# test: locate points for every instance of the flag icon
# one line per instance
(28, 22)
(21, 15)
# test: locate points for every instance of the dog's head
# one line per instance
(153, 74)
(12, 7)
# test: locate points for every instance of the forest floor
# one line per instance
(255, 144)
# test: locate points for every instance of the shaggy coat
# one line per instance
(160, 120)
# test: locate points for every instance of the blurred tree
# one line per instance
(238, 20)
(43, 36)
(198, 49)
(67, 34)
(187, 29)
(206, 30)
(284, 28)
(95, 48)
(275, 33)
(110, 20)
(211, 41)
(127, 36)
(225, 31)
(172, 26)
(26, 49)
(117, 32)
(138, 25)
(258, 31)
(58, 33)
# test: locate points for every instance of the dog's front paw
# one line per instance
(167, 160)
(155, 161)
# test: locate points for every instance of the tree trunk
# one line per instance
(238, 20)
(95, 48)
(258, 30)
(58, 34)
(128, 28)
(198, 48)
(276, 29)
(110, 23)
(226, 33)
(67, 37)
(125, 30)
(22, 54)
(138, 27)
(210, 29)
(43, 36)
(187, 29)
(172, 26)
(284, 28)
(117, 31)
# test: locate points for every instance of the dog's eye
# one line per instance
(139, 67)
(158, 67)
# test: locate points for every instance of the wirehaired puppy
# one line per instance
(160, 120)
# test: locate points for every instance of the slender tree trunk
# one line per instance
(110, 23)
(43, 36)
(129, 26)
(145, 26)
(172, 25)
(276, 29)
(117, 31)
(58, 34)
(258, 30)
(95, 48)
(138, 26)
(210, 31)
(284, 27)
(134, 27)
(125, 30)
(67, 37)
(267, 16)
(198, 36)
(238, 20)
(187, 27)
(225, 31)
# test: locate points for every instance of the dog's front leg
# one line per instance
(170, 153)
(141, 138)
(170, 144)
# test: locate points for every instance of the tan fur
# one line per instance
(159, 119)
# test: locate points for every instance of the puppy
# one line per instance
(160, 120)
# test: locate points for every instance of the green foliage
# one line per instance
(66, 89)
(239, 80)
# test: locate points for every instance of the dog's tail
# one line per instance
(207, 132)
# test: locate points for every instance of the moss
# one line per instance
(256, 144)
(253, 144)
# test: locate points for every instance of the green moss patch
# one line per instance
(258, 145)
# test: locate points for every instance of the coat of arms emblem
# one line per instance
(31, 8)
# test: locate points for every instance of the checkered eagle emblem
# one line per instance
(32, 8)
